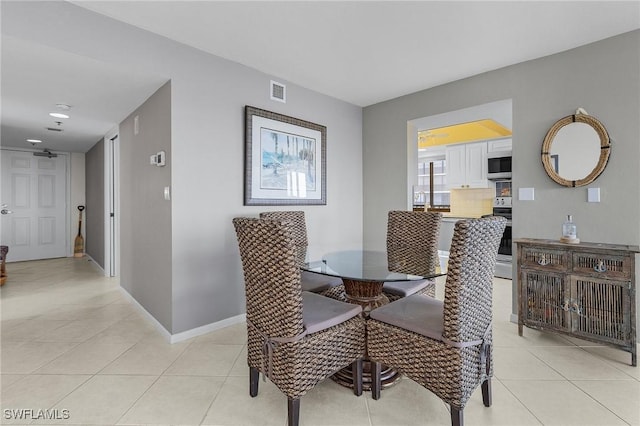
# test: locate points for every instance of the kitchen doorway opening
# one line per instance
(441, 148)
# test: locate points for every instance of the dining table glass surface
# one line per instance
(362, 265)
(363, 273)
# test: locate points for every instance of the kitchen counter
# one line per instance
(456, 218)
(446, 231)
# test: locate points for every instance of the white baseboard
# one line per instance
(96, 264)
(165, 333)
(514, 318)
(184, 335)
(198, 331)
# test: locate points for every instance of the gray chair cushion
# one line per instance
(320, 313)
(405, 288)
(418, 313)
(316, 283)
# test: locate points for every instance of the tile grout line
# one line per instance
(596, 401)
(520, 401)
(221, 386)
(136, 400)
(566, 379)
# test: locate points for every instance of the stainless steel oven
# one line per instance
(505, 243)
(502, 207)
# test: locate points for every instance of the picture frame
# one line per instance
(285, 160)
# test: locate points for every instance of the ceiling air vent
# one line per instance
(54, 129)
(278, 92)
(45, 153)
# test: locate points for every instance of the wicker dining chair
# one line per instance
(295, 338)
(316, 283)
(412, 248)
(445, 346)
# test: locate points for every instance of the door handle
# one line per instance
(600, 267)
(5, 211)
(543, 261)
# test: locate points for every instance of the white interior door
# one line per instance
(35, 191)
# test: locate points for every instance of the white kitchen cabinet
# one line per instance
(467, 165)
(499, 145)
(456, 166)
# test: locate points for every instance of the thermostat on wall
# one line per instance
(158, 159)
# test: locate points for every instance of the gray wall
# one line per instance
(602, 77)
(145, 216)
(208, 95)
(208, 149)
(94, 189)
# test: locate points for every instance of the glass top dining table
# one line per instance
(364, 265)
(363, 273)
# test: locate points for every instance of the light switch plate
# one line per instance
(526, 194)
(593, 195)
(161, 158)
(136, 125)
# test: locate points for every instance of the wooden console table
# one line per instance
(585, 290)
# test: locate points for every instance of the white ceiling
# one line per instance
(360, 52)
(35, 78)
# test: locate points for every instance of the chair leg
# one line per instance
(486, 385)
(456, 416)
(376, 369)
(254, 376)
(486, 393)
(356, 368)
(293, 411)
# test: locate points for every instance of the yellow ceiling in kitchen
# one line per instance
(463, 132)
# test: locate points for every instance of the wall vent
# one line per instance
(278, 92)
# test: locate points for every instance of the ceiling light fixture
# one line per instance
(58, 115)
(34, 141)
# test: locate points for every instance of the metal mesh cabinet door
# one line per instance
(544, 298)
(600, 309)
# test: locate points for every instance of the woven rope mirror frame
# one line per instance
(605, 149)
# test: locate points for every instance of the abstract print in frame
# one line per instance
(285, 160)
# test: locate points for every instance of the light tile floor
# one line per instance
(70, 341)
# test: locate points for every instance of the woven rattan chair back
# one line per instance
(455, 363)
(296, 222)
(412, 241)
(295, 359)
(271, 276)
(469, 284)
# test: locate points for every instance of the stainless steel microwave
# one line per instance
(499, 165)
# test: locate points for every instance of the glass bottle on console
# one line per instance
(569, 229)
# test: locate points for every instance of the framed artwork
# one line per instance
(285, 160)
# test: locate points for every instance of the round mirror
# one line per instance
(575, 150)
